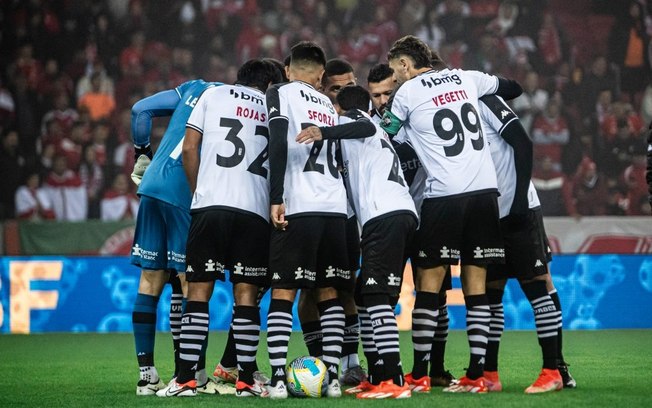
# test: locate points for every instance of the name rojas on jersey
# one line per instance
(374, 177)
(233, 168)
(312, 182)
(439, 111)
(495, 116)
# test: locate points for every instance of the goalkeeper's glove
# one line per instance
(143, 156)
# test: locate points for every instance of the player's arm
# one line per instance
(359, 128)
(392, 122)
(406, 154)
(508, 89)
(648, 173)
(190, 154)
(278, 156)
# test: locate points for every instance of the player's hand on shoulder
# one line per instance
(277, 213)
(309, 135)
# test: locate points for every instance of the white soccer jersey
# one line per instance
(233, 168)
(439, 111)
(495, 117)
(374, 176)
(312, 182)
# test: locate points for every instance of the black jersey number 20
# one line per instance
(235, 126)
(311, 163)
(460, 124)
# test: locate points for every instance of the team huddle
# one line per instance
(295, 177)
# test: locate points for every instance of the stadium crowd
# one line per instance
(71, 72)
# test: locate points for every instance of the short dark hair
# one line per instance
(259, 74)
(279, 65)
(337, 66)
(436, 61)
(412, 47)
(307, 52)
(353, 97)
(379, 72)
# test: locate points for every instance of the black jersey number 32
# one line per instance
(459, 126)
(235, 126)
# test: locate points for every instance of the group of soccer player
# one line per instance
(409, 168)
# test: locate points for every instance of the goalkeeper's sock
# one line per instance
(144, 326)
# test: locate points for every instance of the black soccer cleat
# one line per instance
(567, 378)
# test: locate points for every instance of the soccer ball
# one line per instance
(307, 377)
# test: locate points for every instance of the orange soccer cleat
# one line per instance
(418, 385)
(465, 384)
(362, 387)
(387, 389)
(549, 380)
(492, 381)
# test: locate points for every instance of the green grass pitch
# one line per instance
(100, 370)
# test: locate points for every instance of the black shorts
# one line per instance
(310, 253)
(411, 254)
(463, 229)
(222, 239)
(353, 243)
(527, 252)
(383, 244)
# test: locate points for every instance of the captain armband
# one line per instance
(390, 123)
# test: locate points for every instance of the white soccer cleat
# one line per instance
(278, 391)
(213, 387)
(334, 390)
(145, 387)
(175, 389)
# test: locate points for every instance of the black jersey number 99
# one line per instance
(458, 129)
(235, 126)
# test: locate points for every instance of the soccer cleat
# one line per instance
(257, 389)
(353, 376)
(387, 389)
(226, 374)
(174, 389)
(145, 387)
(334, 390)
(443, 379)
(278, 391)
(213, 387)
(492, 380)
(418, 385)
(465, 384)
(362, 387)
(566, 377)
(261, 378)
(549, 380)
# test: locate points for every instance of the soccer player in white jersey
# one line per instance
(527, 252)
(338, 73)
(224, 158)
(308, 210)
(382, 202)
(459, 215)
(381, 85)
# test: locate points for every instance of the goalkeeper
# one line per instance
(162, 226)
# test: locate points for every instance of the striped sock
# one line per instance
(477, 329)
(546, 320)
(440, 339)
(331, 316)
(279, 328)
(386, 338)
(424, 324)
(194, 330)
(312, 336)
(229, 357)
(351, 342)
(496, 327)
(246, 332)
(555, 298)
(144, 326)
(375, 367)
(176, 311)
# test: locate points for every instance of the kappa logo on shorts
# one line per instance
(444, 252)
(189, 269)
(422, 254)
(210, 266)
(393, 280)
(276, 276)
(371, 281)
(538, 263)
(330, 272)
(238, 269)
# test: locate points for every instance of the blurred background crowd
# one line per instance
(71, 70)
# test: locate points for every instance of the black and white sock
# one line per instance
(424, 324)
(351, 342)
(375, 366)
(477, 330)
(312, 336)
(194, 330)
(246, 332)
(331, 316)
(441, 337)
(279, 329)
(496, 328)
(546, 320)
(386, 336)
(176, 312)
(555, 298)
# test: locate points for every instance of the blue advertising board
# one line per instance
(96, 294)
